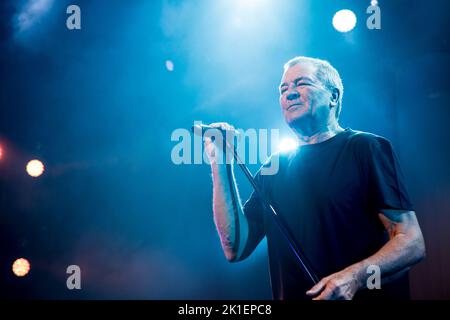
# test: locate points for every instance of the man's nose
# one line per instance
(293, 95)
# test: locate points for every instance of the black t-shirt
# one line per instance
(329, 195)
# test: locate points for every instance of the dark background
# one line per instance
(98, 107)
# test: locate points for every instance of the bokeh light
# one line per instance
(35, 168)
(169, 65)
(21, 267)
(344, 20)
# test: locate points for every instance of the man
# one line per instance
(341, 194)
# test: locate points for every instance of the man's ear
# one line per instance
(334, 99)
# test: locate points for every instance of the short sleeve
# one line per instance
(386, 183)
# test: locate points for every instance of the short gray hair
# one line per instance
(326, 73)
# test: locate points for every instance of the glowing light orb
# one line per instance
(21, 267)
(169, 65)
(287, 144)
(1, 152)
(35, 168)
(344, 20)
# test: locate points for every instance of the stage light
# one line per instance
(344, 20)
(374, 3)
(21, 267)
(287, 144)
(248, 3)
(35, 168)
(31, 13)
(169, 65)
(1, 152)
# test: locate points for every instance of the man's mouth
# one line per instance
(295, 105)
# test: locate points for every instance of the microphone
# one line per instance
(198, 128)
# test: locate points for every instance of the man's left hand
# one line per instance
(341, 285)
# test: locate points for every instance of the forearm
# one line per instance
(231, 223)
(394, 259)
(405, 248)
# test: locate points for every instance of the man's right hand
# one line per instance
(214, 150)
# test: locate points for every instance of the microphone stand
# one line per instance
(298, 252)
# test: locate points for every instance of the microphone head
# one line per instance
(197, 127)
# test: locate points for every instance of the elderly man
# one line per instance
(341, 193)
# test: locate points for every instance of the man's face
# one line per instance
(303, 99)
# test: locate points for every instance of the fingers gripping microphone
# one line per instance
(198, 128)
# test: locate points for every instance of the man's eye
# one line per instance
(302, 84)
(283, 90)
